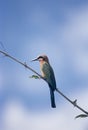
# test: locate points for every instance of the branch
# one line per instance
(74, 103)
(24, 64)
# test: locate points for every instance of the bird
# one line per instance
(48, 74)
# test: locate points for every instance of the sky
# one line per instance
(59, 29)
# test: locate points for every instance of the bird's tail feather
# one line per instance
(52, 98)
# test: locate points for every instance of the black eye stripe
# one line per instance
(40, 57)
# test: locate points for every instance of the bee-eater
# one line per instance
(48, 74)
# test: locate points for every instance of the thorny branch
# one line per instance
(74, 103)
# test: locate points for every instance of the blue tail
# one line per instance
(52, 98)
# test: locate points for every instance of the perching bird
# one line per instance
(48, 74)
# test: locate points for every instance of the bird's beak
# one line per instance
(34, 59)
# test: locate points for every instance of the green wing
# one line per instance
(49, 75)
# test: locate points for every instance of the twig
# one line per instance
(74, 103)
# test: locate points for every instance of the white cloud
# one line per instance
(77, 26)
(18, 118)
(75, 39)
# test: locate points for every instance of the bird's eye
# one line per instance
(43, 58)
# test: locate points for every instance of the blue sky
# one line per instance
(59, 29)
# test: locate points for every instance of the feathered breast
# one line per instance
(47, 72)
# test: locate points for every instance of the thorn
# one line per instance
(75, 102)
(6, 54)
(25, 64)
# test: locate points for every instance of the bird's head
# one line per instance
(42, 58)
